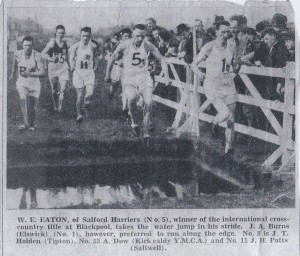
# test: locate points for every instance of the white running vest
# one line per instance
(84, 57)
(218, 64)
(135, 60)
(26, 65)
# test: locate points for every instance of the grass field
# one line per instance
(106, 125)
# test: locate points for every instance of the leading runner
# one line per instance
(219, 87)
(136, 78)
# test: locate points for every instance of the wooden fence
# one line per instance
(194, 110)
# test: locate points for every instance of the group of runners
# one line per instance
(80, 59)
(137, 85)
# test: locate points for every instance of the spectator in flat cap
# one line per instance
(218, 19)
(211, 31)
(260, 26)
(279, 22)
(272, 53)
(185, 49)
(181, 28)
(289, 39)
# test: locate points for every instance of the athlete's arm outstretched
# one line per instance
(40, 71)
(72, 55)
(164, 65)
(14, 67)
(202, 55)
(112, 59)
(95, 57)
(45, 52)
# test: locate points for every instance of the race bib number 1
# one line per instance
(225, 67)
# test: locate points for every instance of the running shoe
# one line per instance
(22, 128)
(147, 141)
(32, 128)
(79, 119)
(127, 116)
(135, 130)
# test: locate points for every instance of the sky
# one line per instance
(171, 15)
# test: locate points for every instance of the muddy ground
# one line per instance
(105, 138)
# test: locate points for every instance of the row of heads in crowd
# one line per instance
(161, 36)
(238, 24)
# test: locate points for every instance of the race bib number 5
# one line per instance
(61, 57)
(137, 60)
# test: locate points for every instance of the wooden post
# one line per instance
(189, 80)
(289, 91)
(196, 105)
(196, 99)
(194, 42)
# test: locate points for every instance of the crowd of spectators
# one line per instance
(179, 43)
(269, 44)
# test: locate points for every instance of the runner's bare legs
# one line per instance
(54, 92)
(79, 101)
(147, 96)
(23, 104)
(131, 95)
(225, 113)
(32, 105)
(63, 85)
(229, 132)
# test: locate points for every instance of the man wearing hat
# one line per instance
(289, 39)
(185, 49)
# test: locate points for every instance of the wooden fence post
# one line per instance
(196, 96)
(289, 90)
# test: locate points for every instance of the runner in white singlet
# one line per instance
(117, 72)
(29, 67)
(56, 52)
(83, 63)
(136, 80)
(219, 85)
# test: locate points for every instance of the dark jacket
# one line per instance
(276, 57)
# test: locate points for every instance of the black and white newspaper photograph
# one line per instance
(149, 127)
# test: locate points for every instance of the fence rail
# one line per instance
(189, 104)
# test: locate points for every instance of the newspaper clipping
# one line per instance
(149, 128)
